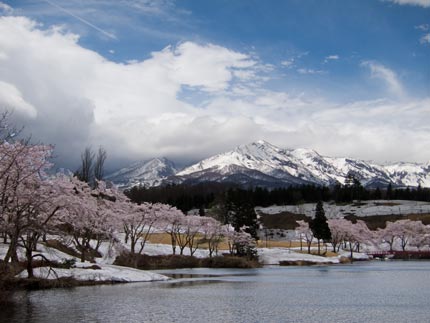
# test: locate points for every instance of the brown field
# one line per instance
(379, 221)
(278, 244)
(164, 238)
(387, 204)
(284, 220)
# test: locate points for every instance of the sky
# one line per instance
(189, 79)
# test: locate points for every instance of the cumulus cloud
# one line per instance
(77, 97)
(11, 97)
(388, 76)
(421, 3)
(73, 97)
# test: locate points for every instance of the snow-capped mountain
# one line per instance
(263, 164)
(147, 173)
(409, 174)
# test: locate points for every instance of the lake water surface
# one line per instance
(392, 291)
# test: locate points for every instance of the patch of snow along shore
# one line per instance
(273, 256)
(107, 273)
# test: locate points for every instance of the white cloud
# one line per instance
(425, 39)
(309, 71)
(5, 8)
(11, 98)
(93, 100)
(331, 58)
(71, 96)
(388, 76)
(288, 63)
(423, 27)
(421, 3)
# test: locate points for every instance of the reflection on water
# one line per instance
(362, 292)
(184, 283)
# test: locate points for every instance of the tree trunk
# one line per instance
(132, 244)
(11, 252)
(29, 255)
(352, 252)
(173, 243)
(83, 254)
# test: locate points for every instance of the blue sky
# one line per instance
(191, 78)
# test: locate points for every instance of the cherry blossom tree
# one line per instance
(339, 229)
(92, 214)
(22, 170)
(406, 230)
(421, 237)
(356, 234)
(42, 216)
(240, 242)
(139, 222)
(172, 221)
(192, 228)
(305, 233)
(388, 234)
(213, 234)
(403, 231)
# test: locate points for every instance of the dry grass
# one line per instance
(164, 238)
(387, 204)
(374, 222)
(327, 253)
(279, 244)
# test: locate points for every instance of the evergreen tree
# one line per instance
(389, 192)
(240, 211)
(319, 225)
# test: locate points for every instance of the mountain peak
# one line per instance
(257, 147)
(147, 172)
(260, 163)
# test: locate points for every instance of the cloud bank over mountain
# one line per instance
(191, 100)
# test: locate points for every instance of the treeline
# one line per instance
(207, 195)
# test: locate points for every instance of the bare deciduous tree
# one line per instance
(99, 164)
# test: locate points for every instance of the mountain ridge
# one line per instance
(262, 164)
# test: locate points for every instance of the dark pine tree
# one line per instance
(319, 225)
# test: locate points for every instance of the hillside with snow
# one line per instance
(263, 164)
(146, 173)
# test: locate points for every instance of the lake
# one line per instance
(377, 291)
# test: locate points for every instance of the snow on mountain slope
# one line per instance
(295, 166)
(305, 165)
(409, 174)
(263, 164)
(148, 173)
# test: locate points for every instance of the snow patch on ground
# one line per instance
(107, 273)
(364, 208)
(273, 256)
